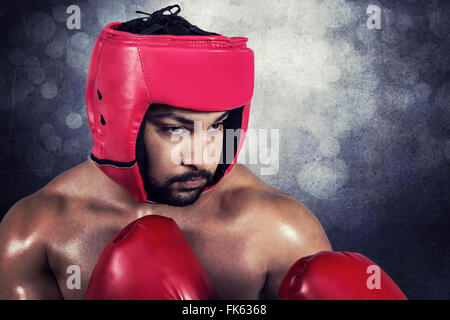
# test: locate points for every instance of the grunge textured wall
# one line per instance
(363, 114)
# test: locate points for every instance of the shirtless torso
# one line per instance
(245, 232)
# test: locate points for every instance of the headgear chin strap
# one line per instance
(129, 72)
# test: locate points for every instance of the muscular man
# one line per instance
(143, 91)
(236, 229)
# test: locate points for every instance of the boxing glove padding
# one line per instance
(149, 259)
(329, 275)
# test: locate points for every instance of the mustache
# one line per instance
(191, 175)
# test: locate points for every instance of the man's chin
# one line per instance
(185, 200)
(180, 198)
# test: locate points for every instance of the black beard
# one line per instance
(166, 195)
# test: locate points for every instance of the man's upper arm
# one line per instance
(295, 233)
(24, 271)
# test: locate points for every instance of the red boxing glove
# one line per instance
(149, 259)
(330, 275)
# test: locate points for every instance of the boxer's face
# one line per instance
(183, 151)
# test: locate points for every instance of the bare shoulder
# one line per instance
(282, 228)
(241, 178)
(251, 193)
(282, 220)
(34, 216)
(73, 182)
(26, 231)
(31, 217)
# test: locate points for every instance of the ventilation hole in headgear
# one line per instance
(102, 120)
(99, 95)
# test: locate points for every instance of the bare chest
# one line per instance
(228, 254)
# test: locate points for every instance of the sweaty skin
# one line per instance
(245, 233)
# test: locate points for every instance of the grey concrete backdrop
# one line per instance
(363, 114)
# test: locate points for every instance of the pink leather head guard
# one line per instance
(130, 72)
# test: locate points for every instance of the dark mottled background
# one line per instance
(364, 115)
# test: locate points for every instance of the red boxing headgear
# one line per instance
(129, 72)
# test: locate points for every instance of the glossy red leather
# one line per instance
(330, 275)
(149, 259)
(206, 73)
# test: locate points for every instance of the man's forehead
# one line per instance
(159, 110)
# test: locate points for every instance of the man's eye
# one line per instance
(175, 130)
(217, 126)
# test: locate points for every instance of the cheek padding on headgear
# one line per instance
(129, 72)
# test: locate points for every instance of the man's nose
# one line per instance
(201, 151)
(193, 149)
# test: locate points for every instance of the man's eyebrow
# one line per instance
(223, 116)
(184, 120)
